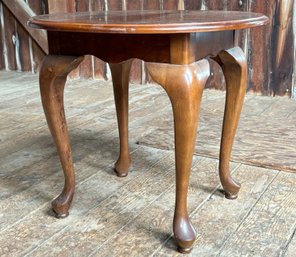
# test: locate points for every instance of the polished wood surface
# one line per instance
(184, 85)
(234, 65)
(174, 44)
(120, 77)
(53, 76)
(141, 22)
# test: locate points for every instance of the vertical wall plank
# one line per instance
(170, 4)
(2, 62)
(214, 4)
(24, 48)
(237, 5)
(35, 52)
(294, 62)
(9, 33)
(192, 4)
(18, 43)
(260, 55)
(136, 71)
(2, 42)
(39, 7)
(61, 6)
(82, 5)
(135, 4)
(38, 56)
(151, 5)
(86, 68)
(282, 48)
(98, 5)
(100, 69)
(115, 5)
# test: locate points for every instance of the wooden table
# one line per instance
(174, 44)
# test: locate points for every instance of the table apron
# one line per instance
(182, 48)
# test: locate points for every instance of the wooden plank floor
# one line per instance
(265, 136)
(131, 216)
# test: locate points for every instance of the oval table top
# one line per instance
(148, 22)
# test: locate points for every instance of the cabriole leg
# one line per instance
(120, 76)
(184, 85)
(53, 75)
(234, 65)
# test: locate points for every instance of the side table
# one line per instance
(174, 44)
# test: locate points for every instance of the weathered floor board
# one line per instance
(153, 227)
(291, 246)
(270, 224)
(219, 218)
(265, 137)
(132, 216)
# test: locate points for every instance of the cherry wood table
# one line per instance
(174, 44)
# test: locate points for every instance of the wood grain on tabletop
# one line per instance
(133, 22)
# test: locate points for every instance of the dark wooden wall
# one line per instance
(18, 50)
(269, 49)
